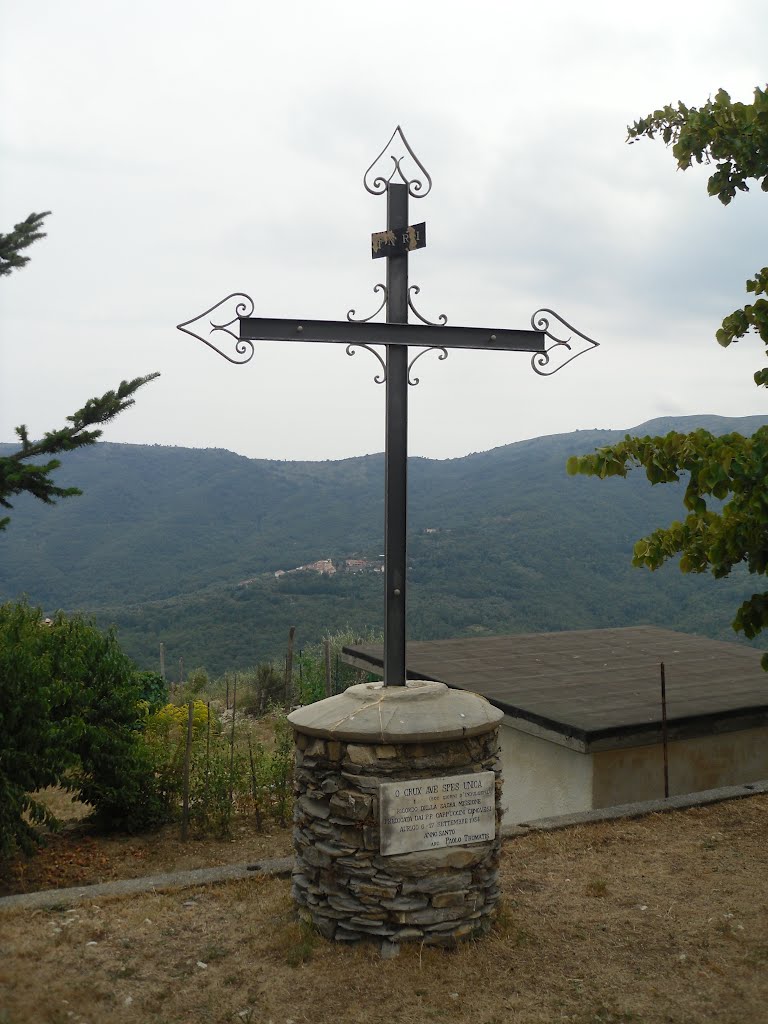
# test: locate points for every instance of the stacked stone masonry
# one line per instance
(341, 882)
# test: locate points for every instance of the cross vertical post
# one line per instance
(396, 450)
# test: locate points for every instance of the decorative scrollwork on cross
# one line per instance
(540, 321)
(377, 185)
(351, 351)
(243, 308)
(413, 381)
(442, 319)
(366, 319)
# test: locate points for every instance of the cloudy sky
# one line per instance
(189, 150)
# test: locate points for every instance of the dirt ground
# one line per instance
(664, 919)
(79, 856)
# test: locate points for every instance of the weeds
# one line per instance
(281, 768)
(217, 776)
(312, 670)
(243, 768)
(228, 772)
(597, 887)
(297, 942)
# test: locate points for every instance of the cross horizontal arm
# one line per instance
(345, 333)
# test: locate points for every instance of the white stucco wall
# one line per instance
(706, 762)
(542, 778)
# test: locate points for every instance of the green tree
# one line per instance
(17, 474)
(725, 497)
(733, 136)
(70, 716)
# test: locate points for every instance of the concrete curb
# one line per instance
(281, 866)
(637, 810)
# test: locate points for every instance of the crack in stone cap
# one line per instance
(420, 711)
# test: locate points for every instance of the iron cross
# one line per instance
(397, 336)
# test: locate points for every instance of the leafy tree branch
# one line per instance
(734, 137)
(717, 534)
(725, 496)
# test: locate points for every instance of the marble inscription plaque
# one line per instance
(428, 814)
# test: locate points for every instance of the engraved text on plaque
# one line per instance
(426, 814)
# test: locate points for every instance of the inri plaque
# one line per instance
(427, 814)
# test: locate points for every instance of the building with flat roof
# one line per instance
(582, 724)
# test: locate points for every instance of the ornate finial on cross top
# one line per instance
(378, 183)
(397, 336)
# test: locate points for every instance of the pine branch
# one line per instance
(16, 477)
(23, 235)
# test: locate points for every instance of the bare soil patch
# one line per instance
(664, 919)
(79, 855)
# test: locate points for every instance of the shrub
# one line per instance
(153, 689)
(69, 715)
(259, 689)
(218, 777)
(224, 776)
(197, 683)
(172, 721)
(310, 670)
(281, 768)
(271, 773)
(34, 753)
(164, 741)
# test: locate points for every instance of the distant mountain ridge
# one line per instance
(500, 541)
(686, 424)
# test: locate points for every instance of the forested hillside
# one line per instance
(503, 541)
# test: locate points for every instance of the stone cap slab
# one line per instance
(419, 712)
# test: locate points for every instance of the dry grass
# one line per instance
(80, 856)
(658, 920)
(62, 804)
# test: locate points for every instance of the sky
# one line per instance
(191, 150)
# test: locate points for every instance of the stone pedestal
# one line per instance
(396, 821)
